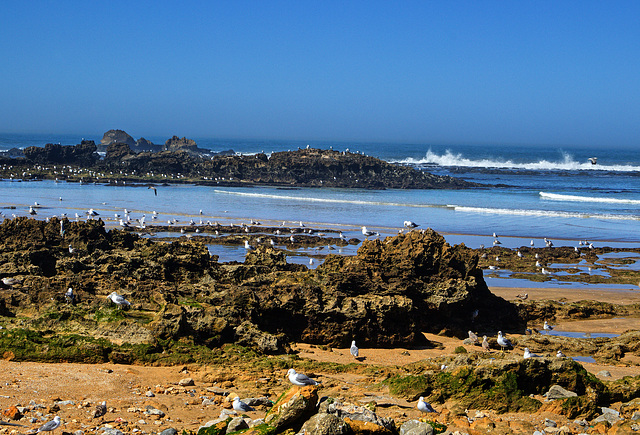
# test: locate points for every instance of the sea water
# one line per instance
(533, 192)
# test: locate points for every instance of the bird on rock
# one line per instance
(503, 341)
(119, 300)
(240, 406)
(485, 344)
(473, 337)
(300, 379)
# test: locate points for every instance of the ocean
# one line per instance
(540, 191)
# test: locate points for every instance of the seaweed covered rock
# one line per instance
(83, 154)
(504, 385)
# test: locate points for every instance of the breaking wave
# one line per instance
(567, 163)
(543, 213)
(577, 198)
(327, 200)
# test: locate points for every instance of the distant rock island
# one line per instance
(121, 158)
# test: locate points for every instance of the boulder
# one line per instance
(325, 424)
(557, 392)
(292, 408)
(83, 154)
(117, 136)
(236, 424)
(247, 334)
(415, 427)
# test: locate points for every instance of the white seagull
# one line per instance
(300, 379)
(50, 425)
(528, 354)
(368, 233)
(473, 337)
(503, 341)
(424, 406)
(240, 406)
(69, 296)
(119, 300)
(546, 326)
(409, 224)
(354, 349)
(559, 354)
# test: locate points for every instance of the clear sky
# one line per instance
(445, 72)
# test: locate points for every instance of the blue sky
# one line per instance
(449, 72)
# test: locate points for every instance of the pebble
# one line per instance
(550, 423)
(186, 382)
(169, 431)
(604, 373)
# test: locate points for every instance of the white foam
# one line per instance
(327, 200)
(560, 197)
(543, 213)
(566, 164)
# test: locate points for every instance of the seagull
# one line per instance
(424, 406)
(354, 349)
(559, 354)
(101, 409)
(32, 210)
(311, 262)
(155, 191)
(473, 337)
(118, 299)
(532, 243)
(50, 425)
(528, 354)
(300, 379)
(10, 282)
(546, 326)
(503, 341)
(71, 250)
(523, 296)
(519, 254)
(593, 160)
(247, 246)
(485, 343)
(92, 212)
(409, 224)
(367, 233)
(240, 406)
(538, 264)
(69, 296)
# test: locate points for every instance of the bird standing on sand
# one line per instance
(424, 406)
(354, 349)
(50, 426)
(240, 406)
(300, 379)
(101, 409)
(119, 300)
(503, 341)
(546, 326)
(473, 337)
(485, 343)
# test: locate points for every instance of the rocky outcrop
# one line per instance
(385, 296)
(83, 154)
(117, 136)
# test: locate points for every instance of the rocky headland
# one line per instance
(180, 160)
(236, 328)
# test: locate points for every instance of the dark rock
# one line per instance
(117, 136)
(169, 431)
(83, 154)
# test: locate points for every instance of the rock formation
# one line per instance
(117, 136)
(83, 154)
